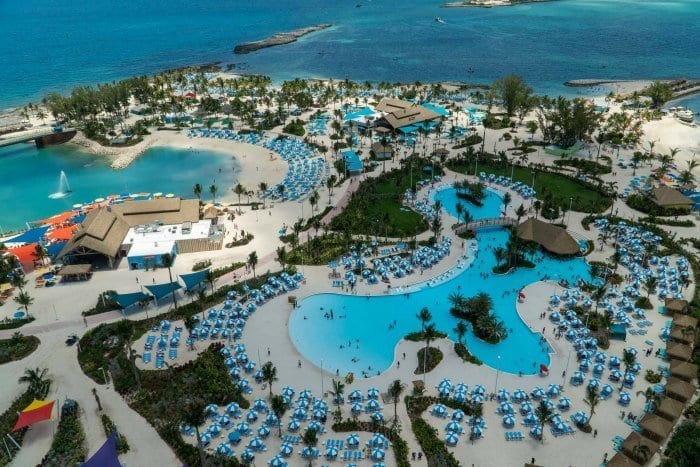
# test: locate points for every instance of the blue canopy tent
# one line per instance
(30, 236)
(54, 249)
(408, 129)
(106, 456)
(125, 300)
(437, 109)
(352, 162)
(161, 290)
(194, 279)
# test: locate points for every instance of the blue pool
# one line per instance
(359, 340)
(491, 208)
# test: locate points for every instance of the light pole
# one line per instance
(512, 169)
(104, 375)
(321, 378)
(571, 202)
(566, 370)
(498, 370)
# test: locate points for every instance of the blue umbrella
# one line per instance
(451, 439)
(248, 455)
(538, 393)
(256, 444)
(308, 452)
(458, 415)
(307, 394)
(355, 395)
(477, 431)
(508, 420)
(332, 452)
(372, 405)
(477, 399)
(506, 407)
(525, 407)
(453, 426)
(530, 418)
(251, 416)
(277, 461)
(519, 395)
(243, 428)
(356, 407)
(564, 403)
(624, 398)
(293, 425)
(224, 449)
(263, 431)
(377, 416)
(503, 395)
(536, 431)
(288, 391)
(373, 393)
(272, 420)
(378, 454)
(299, 413)
(594, 383)
(286, 449)
(479, 389)
(353, 440)
(553, 390)
(259, 404)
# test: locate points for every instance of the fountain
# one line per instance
(63, 187)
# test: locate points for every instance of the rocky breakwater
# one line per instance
(281, 38)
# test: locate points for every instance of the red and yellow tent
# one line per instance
(37, 411)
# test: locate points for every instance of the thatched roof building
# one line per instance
(550, 237)
(667, 197)
(679, 389)
(635, 439)
(676, 305)
(683, 370)
(655, 427)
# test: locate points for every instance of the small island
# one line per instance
(489, 3)
(281, 38)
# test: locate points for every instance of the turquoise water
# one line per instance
(492, 204)
(366, 319)
(30, 175)
(49, 45)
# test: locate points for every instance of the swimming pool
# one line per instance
(359, 337)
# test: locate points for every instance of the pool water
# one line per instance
(359, 338)
(492, 203)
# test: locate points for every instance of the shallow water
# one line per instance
(30, 176)
(361, 324)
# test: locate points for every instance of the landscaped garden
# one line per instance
(17, 347)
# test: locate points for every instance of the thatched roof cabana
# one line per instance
(679, 351)
(635, 439)
(679, 389)
(684, 370)
(676, 305)
(670, 409)
(620, 460)
(667, 197)
(655, 427)
(550, 237)
(684, 320)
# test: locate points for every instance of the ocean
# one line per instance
(49, 45)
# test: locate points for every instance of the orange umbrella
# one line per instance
(25, 254)
(58, 218)
(62, 233)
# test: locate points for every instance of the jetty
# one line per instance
(281, 38)
(44, 136)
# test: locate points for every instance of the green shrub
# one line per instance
(68, 446)
(464, 354)
(644, 303)
(295, 127)
(671, 222)
(433, 360)
(419, 336)
(15, 323)
(683, 449)
(104, 304)
(643, 204)
(110, 427)
(199, 265)
(432, 446)
(652, 377)
(17, 347)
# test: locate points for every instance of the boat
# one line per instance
(439, 20)
(685, 115)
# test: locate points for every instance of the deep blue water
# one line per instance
(51, 45)
(349, 342)
(30, 175)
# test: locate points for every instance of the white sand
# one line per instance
(671, 133)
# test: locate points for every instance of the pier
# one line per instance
(44, 136)
(483, 223)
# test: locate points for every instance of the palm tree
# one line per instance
(395, 390)
(269, 375)
(641, 451)
(651, 398)
(132, 355)
(313, 200)
(25, 300)
(37, 381)
(239, 190)
(460, 210)
(193, 415)
(592, 399)
(278, 408)
(166, 260)
(477, 411)
(628, 359)
(500, 253)
(507, 198)
(650, 284)
(210, 279)
(253, 261)
(461, 330)
(436, 227)
(197, 190)
(282, 257)
(424, 316)
(520, 212)
(213, 190)
(537, 205)
(543, 414)
(310, 439)
(429, 335)
(337, 391)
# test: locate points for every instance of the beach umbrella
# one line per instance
(553, 390)
(503, 395)
(214, 429)
(636, 367)
(479, 389)
(453, 426)
(373, 393)
(251, 416)
(308, 452)
(259, 404)
(536, 431)
(598, 368)
(377, 416)
(356, 407)
(445, 384)
(299, 413)
(439, 410)
(629, 378)
(519, 395)
(319, 414)
(530, 418)
(506, 407)
(204, 438)
(624, 398)
(321, 404)
(594, 383)
(378, 454)
(538, 393)
(460, 396)
(509, 420)
(614, 361)
(615, 375)
(277, 461)
(256, 444)
(632, 350)
(224, 449)
(307, 394)
(560, 426)
(353, 440)
(332, 452)
(211, 409)
(223, 420)
(288, 391)
(248, 455)
(293, 425)
(377, 440)
(315, 425)
(476, 431)
(234, 436)
(372, 405)
(477, 399)
(451, 439)
(525, 407)
(286, 449)
(579, 376)
(606, 389)
(243, 428)
(564, 403)
(355, 395)
(458, 415)
(263, 431)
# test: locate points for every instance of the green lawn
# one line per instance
(561, 187)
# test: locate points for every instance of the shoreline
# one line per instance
(280, 38)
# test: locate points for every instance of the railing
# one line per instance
(482, 223)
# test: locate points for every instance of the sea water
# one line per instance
(49, 45)
(30, 176)
(362, 336)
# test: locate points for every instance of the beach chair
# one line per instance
(172, 354)
(346, 455)
(519, 436)
(146, 357)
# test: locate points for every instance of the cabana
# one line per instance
(618, 332)
(676, 305)
(667, 197)
(37, 411)
(670, 409)
(76, 272)
(353, 164)
(679, 351)
(679, 389)
(550, 237)
(630, 444)
(680, 334)
(382, 152)
(684, 320)
(655, 427)
(684, 370)
(620, 460)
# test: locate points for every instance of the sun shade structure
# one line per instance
(161, 290)
(37, 411)
(550, 237)
(679, 351)
(658, 428)
(676, 305)
(399, 113)
(106, 456)
(30, 236)
(683, 370)
(194, 279)
(668, 197)
(670, 409)
(352, 161)
(620, 460)
(125, 300)
(634, 440)
(679, 389)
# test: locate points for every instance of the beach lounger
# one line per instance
(146, 357)
(346, 455)
(172, 354)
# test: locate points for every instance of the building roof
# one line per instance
(656, 425)
(352, 161)
(683, 369)
(399, 113)
(667, 196)
(620, 460)
(635, 439)
(676, 305)
(550, 237)
(670, 407)
(380, 148)
(210, 213)
(679, 388)
(168, 211)
(679, 351)
(75, 269)
(102, 231)
(679, 333)
(684, 320)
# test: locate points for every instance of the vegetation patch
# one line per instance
(295, 127)
(17, 347)
(110, 427)
(671, 222)
(15, 323)
(419, 336)
(432, 446)
(463, 353)
(683, 449)
(477, 311)
(643, 204)
(103, 305)
(433, 359)
(644, 303)
(68, 446)
(584, 166)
